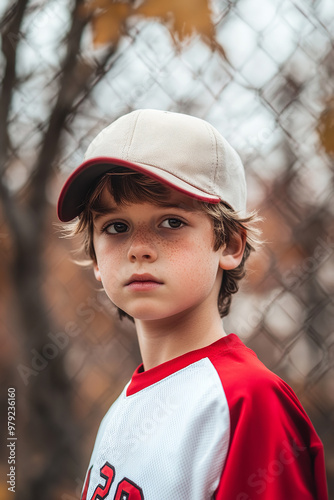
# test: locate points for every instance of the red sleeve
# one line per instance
(274, 451)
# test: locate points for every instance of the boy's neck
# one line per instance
(165, 339)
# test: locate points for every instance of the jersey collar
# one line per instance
(142, 379)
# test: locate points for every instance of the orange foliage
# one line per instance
(108, 20)
(326, 128)
(186, 17)
(183, 18)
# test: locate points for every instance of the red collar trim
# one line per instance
(142, 379)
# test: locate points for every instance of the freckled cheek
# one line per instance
(193, 264)
(109, 262)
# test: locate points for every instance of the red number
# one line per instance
(108, 473)
(127, 490)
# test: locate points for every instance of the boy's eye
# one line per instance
(172, 223)
(116, 228)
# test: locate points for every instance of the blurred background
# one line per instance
(262, 72)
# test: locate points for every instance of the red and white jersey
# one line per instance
(214, 423)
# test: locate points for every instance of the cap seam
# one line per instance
(128, 143)
(217, 161)
(214, 159)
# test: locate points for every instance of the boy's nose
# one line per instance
(142, 248)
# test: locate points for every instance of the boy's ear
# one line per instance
(231, 255)
(97, 273)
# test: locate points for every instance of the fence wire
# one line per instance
(267, 85)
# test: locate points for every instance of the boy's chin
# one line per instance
(158, 315)
(149, 314)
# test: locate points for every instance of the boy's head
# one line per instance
(153, 157)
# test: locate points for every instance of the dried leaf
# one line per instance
(183, 18)
(108, 19)
(326, 128)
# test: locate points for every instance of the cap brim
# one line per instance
(75, 190)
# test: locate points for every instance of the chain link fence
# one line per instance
(267, 84)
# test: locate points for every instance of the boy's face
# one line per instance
(173, 244)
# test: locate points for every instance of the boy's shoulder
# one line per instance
(238, 364)
(244, 377)
(259, 400)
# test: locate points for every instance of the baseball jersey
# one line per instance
(214, 423)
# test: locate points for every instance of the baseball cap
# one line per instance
(181, 151)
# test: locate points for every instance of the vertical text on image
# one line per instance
(11, 439)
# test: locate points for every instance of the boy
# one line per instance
(161, 201)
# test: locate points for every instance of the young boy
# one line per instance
(161, 201)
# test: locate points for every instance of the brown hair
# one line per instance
(127, 186)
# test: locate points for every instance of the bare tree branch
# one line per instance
(10, 37)
(78, 78)
(10, 26)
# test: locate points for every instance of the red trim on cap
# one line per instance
(122, 163)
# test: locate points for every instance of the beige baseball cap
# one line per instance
(181, 151)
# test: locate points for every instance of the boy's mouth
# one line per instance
(143, 282)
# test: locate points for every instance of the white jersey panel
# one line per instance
(170, 439)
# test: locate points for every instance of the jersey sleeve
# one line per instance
(274, 452)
